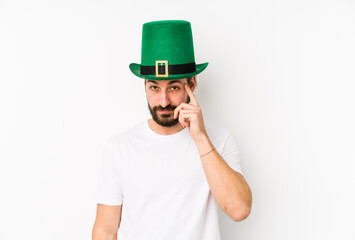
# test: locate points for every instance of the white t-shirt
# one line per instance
(161, 183)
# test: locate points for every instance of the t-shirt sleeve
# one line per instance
(230, 153)
(109, 190)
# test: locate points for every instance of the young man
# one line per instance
(166, 176)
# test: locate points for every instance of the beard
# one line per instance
(165, 120)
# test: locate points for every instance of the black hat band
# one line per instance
(172, 69)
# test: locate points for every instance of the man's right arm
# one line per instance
(107, 222)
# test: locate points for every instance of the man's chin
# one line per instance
(166, 122)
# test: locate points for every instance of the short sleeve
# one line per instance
(109, 190)
(230, 153)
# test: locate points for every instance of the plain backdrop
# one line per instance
(280, 78)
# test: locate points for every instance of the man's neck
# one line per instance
(164, 130)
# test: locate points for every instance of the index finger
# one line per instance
(191, 95)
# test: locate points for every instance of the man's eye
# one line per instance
(174, 87)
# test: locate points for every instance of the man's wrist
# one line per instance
(204, 144)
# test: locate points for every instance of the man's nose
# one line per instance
(164, 99)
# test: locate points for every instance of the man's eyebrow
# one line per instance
(169, 83)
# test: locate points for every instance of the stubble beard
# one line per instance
(165, 120)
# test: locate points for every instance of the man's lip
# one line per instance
(165, 111)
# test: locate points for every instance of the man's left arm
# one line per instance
(229, 188)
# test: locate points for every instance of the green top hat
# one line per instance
(167, 51)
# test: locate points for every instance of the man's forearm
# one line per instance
(102, 235)
(228, 187)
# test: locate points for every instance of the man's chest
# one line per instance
(158, 171)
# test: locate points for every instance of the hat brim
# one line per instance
(136, 70)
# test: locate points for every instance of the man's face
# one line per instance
(165, 95)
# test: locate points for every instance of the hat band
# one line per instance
(172, 69)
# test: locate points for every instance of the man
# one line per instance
(166, 176)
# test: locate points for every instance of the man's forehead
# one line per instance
(169, 82)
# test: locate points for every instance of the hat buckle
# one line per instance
(162, 62)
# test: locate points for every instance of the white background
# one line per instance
(281, 78)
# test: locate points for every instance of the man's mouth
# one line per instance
(165, 111)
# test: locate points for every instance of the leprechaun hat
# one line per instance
(167, 51)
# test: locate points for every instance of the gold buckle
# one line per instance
(166, 68)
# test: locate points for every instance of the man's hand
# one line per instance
(190, 115)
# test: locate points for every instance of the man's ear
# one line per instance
(193, 83)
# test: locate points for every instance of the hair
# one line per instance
(189, 80)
